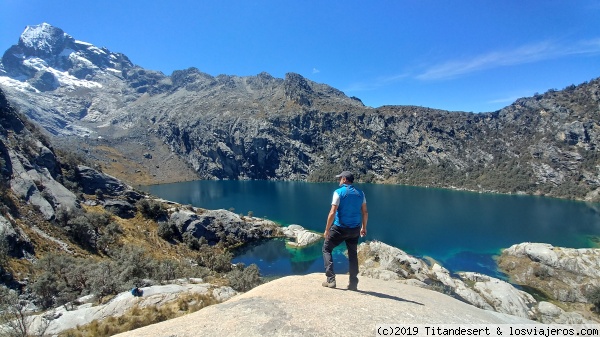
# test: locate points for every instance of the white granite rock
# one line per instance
(385, 262)
(300, 237)
(566, 274)
(159, 295)
(378, 257)
(502, 296)
(551, 314)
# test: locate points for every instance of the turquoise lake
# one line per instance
(461, 230)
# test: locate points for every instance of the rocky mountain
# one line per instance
(129, 119)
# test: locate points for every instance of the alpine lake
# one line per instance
(463, 231)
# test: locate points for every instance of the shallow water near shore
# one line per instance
(463, 231)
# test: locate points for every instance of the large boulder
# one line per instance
(36, 185)
(440, 279)
(564, 274)
(552, 314)
(93, 180)
(502, 296)
(17, 243)
(73, 315)
(214, 225)
(120, 208)
(23, 184)
(46, 158)
(57, 194)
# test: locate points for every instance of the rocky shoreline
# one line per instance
(576, 269)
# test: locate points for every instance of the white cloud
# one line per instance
(315, 71)
(506, 100)
(526, 54)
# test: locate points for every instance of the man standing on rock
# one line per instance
(349, 216)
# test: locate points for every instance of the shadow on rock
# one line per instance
(380, 295)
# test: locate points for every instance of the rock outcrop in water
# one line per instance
(217, 225)
(298, 237)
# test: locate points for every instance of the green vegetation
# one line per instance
(13, 316)
(244, 279)
(151, 209)
(324, 173)
(63, 278)
(594, 298)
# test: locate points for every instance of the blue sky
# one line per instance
(457, 55)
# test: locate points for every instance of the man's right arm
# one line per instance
(365, 219)
(330, 218)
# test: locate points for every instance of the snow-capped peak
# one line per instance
(46, 49)
(44, 39)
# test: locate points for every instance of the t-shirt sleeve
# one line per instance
(336, 199)
(364, 198)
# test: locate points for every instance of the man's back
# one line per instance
(349, 209)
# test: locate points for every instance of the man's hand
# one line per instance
(326, 234)
(363, 232)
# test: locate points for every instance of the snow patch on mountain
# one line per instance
(76, 58)
(21, 86)
(96, 50)
(36, 63)
(83, 43)
(63, 77)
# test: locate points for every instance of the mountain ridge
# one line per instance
(261, 127)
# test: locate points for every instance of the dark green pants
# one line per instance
(337, 235)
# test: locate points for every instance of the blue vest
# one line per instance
(349, 210)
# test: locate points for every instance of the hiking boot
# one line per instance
(352, 287)
(329, 284)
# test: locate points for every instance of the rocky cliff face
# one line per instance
(261, 127)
